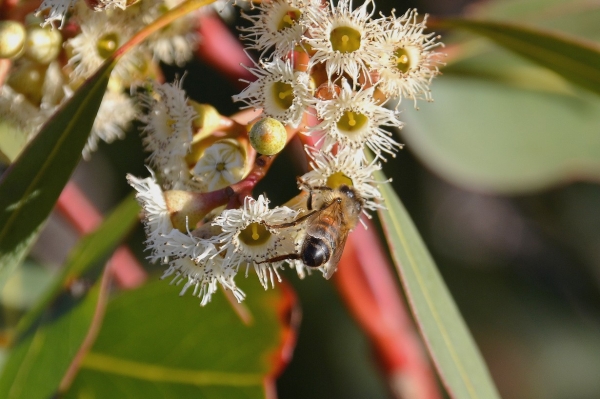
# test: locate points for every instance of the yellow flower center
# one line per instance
(351, 122)
(255, 234)
(345, 39)
(284, 94)
(402, 60)
(220, 166)
(338, 179)
(107, 44)
(289, 19)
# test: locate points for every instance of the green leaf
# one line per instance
(155, 344)
(12, 142)
(88, 252)
(573, 58)
(32, 184)
(43, 355)
(450, 344)
(37, 364)
(575, 17)
(491, 135)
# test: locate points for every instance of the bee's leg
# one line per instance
(309, 201)
(292, 223)
(304, 185)
(280, 258)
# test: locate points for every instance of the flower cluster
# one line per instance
(50, 64)
(326, 73)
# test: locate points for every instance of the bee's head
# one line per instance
(353, 196)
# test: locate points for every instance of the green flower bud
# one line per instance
(268, 136)
(12, 39)
(43, 44)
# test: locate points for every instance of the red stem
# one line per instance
(93, 330)
(289, 313)
(5, 65)
(84, 217)
(220, 49)
(369, 289)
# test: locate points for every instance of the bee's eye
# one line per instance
(315, 252)
(346, 190)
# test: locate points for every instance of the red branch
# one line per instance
(5, 65)
(370, 291)
(289, 314)
(92, 332)
(74, 206)
(220, 49)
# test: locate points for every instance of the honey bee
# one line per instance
(333, 213)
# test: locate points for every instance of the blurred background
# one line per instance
(491, 174)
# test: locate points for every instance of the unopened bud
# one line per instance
(29, 80)
(268, 136)
(186, 208)
(12, 39)
(43, 44)
(207, 120)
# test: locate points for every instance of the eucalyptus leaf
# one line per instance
(37, 363)
(44, 354)
(576, 59)
(88, 252)
(155, 344)
(493, 135)
(448, 339)
(575, 17)
(30, 187)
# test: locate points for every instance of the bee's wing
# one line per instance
(331, 266)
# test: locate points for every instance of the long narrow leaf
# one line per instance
(37, 363)
(31, 186)
(450, 344)
(574, 59)
(88, 252)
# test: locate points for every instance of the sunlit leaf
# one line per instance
(89, 251)
(576, 59)
(448, 339)
(155, 344)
